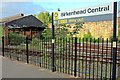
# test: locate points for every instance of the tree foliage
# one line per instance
(45, 17)
(62, 30)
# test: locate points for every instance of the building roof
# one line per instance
(26, 21)
(11, 18)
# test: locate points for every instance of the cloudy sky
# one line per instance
(13, 7)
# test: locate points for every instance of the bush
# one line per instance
(35, 41)
(88, 36)
(46, 33)
(16, 39)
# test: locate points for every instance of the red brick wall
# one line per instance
(5, 35)
(28, 33)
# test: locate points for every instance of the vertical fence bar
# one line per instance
(47, 52)
(66, 60)
(16, 50)
(79, 58)
(98, 59)
(90, 59)
(72, 58)
(94, 59)
(44, 52)
(114, 41)
(82, 57)
(75, 59)
(49, 57)
(3, 46)
(60, 53)
(69, 58)
(55, 54)
(50, 45)
(102, 58)
(27, 50)
(86, 58)
(117, 61)
(111, 61)
(63, 54)
(106, 58)
(40, 51)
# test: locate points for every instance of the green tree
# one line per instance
(45, 17)
(41, 16)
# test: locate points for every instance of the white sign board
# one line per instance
(90, 11)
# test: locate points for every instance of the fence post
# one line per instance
(27, 50)
(114, 41)
(2, 45)
(75, 59)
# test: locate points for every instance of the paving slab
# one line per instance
(17, 69)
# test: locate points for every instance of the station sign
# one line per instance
(89, 14)
(90, 11)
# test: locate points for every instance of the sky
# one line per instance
(13, 7)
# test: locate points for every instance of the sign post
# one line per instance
(53, 66)
(114, 41)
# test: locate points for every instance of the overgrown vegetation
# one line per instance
(63, 30)
(15, 38)
(46, 33)
(1, 31)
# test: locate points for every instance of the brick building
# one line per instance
(28, 26)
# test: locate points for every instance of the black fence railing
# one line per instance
(85, 58)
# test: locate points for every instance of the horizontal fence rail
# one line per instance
(85, 58)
